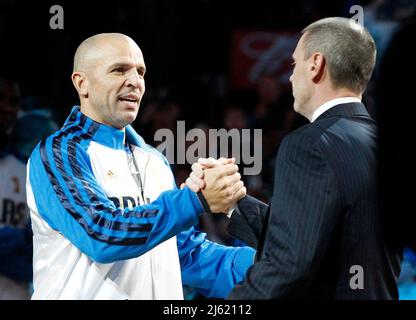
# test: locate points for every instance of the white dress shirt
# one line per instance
(332, 103)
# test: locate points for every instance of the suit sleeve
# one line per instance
(68, 197)
(247, 220)
(302, 219)
(209, 267)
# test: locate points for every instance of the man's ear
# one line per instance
(317, 66)
(80, 83)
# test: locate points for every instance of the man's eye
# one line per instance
(118, 70)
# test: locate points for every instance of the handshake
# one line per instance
(219, 181)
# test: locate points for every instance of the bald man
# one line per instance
(107, 218)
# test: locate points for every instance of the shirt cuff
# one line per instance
(230, 212)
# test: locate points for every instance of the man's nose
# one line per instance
(133, 79)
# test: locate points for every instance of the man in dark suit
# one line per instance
(321, 237)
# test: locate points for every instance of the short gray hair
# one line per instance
(348, 48)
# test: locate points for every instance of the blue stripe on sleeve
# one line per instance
(62, 191)
(70, 200)
(64, 186)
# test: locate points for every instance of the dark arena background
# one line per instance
(217, 64)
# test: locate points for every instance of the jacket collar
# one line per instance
(107, 135)
(347, 110)
(98, 132)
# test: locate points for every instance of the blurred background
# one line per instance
(214, 64)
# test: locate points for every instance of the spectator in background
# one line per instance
(19, 134)
(15, 234)
(31, 127)
(15, 242)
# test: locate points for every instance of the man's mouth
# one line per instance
(131, 99)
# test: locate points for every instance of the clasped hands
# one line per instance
(219, 181)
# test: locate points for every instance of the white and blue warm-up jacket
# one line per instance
(97, 236)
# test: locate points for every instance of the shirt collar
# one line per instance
(332, 103)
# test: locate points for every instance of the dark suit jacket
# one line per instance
(323, 218)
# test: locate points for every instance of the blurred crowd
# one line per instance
(265, 105)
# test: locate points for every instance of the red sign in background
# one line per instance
(258, 52)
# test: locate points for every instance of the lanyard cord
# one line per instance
(134, 170)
